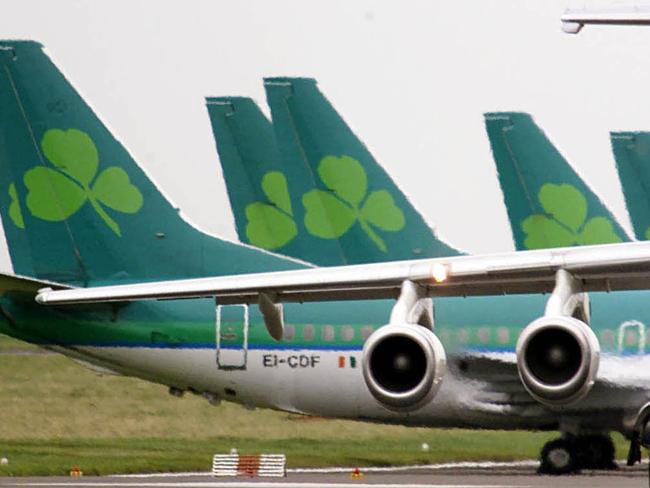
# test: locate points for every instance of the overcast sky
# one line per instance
(412, 78)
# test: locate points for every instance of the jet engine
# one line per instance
(558, 357)
(403, 365)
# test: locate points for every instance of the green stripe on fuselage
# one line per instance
(477, 323)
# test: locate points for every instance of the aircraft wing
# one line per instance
(574, 20)
(597, 268)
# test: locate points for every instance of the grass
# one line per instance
(9, 344)
(103, 456)
(56, 414)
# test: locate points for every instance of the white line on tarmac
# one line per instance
(385, 469)
(529, 463)
(162, 475)
(424, 467)
(261, 484)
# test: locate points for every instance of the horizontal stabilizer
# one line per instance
(10, 283)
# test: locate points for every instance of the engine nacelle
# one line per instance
(558, 359)
(403, 365)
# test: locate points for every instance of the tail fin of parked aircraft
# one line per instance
(632, 154)
(265, 194)
(548, 204)
(75, 205)
(345, 195)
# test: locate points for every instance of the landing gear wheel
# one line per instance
(559, 457)
(595, 452)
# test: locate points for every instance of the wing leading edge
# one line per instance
(606, 267)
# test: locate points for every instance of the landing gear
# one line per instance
(570, 454)
(559, 457)
(640, 437)
(596, 452)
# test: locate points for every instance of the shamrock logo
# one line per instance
(271, 225)
(330, 214)
(565, 221)
(54, 194)
(15, 212)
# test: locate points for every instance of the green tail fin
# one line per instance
(75, 206)
(265, 194)
(346, 198)
(632, 155)
(548, 204)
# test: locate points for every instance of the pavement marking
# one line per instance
(423, 467)
(529, 463)
(162, 475)
(261, 484)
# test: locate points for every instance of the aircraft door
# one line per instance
(631, 337)
(232, 336)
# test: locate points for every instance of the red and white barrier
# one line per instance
(267, 465)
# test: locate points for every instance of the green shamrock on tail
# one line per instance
(15, 212)
(330, 214)
(271, 225)
(56, 194)
(565, 221)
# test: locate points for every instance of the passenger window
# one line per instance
(327, 333)
(347, 333)
(503, 335)
(289, 332)
(463, 336)
(484, 335)
(366, 331)
(308, 332)
(631, 337)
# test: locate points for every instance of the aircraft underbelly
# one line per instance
(330, 384)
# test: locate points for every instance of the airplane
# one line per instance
(631, 152)
(548, 203)
(108, 272)
(238, 122)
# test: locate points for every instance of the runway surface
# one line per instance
(520, 476)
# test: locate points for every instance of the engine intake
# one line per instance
(403, 365)
(558, 359)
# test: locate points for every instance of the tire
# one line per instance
(595, 452)
(559, 457)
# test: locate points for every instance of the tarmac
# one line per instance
(482, 477)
